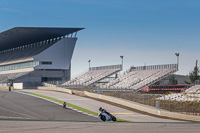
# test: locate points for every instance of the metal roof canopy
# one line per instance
(20, 36)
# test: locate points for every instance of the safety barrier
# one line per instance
(144, 108)
(133, 105)
(4, 88)
(54, 89)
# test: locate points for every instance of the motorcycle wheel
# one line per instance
(103, 118)
(114, 118)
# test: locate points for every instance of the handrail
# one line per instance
(154, 67)
(106, 67)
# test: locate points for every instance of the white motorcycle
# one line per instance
(106, 116)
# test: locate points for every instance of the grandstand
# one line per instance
(139, 77)
(192, 94)
(32, 55)
(94, 75)
(193, 89)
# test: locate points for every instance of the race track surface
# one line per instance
(96, 127)
(23, 113)
(15, 105)
(94, 105)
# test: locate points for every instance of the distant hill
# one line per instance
(182, 78)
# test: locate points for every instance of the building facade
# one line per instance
(32, 55)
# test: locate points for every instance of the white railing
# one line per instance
(154, 67)
(106, 67)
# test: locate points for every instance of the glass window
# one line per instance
(19, 66)
(46, 62)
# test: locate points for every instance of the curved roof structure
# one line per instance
(20, 36)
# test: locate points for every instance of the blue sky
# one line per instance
(144, 31)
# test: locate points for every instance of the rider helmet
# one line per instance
(100, 109)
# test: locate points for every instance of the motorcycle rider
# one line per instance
(106, 116)
(64, 104)
(103, 110)
(105, 113)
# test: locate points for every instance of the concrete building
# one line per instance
(32, 55)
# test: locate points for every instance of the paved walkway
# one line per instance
(94, 105)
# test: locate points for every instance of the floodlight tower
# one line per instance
(177, 55)
(122, 60)
(89, 63)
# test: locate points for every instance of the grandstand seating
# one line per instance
(20, 53)
(181, 97)
(24, 52)
(4, 77)
(193, 89)
(93, 75)
(191, 94)
(32, 55)
(138, 79)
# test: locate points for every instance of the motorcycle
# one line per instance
(64, 105)
(106, 116)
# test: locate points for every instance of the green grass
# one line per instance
(121, 120)
(82, 109)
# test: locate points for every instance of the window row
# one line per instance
(19, 66)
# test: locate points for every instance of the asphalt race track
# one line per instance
(15, 105)
(23, 113)
(95, 127)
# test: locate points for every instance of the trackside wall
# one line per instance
(144, 108)
(130, 104)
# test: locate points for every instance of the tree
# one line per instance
(194, 75)
(172, 80)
